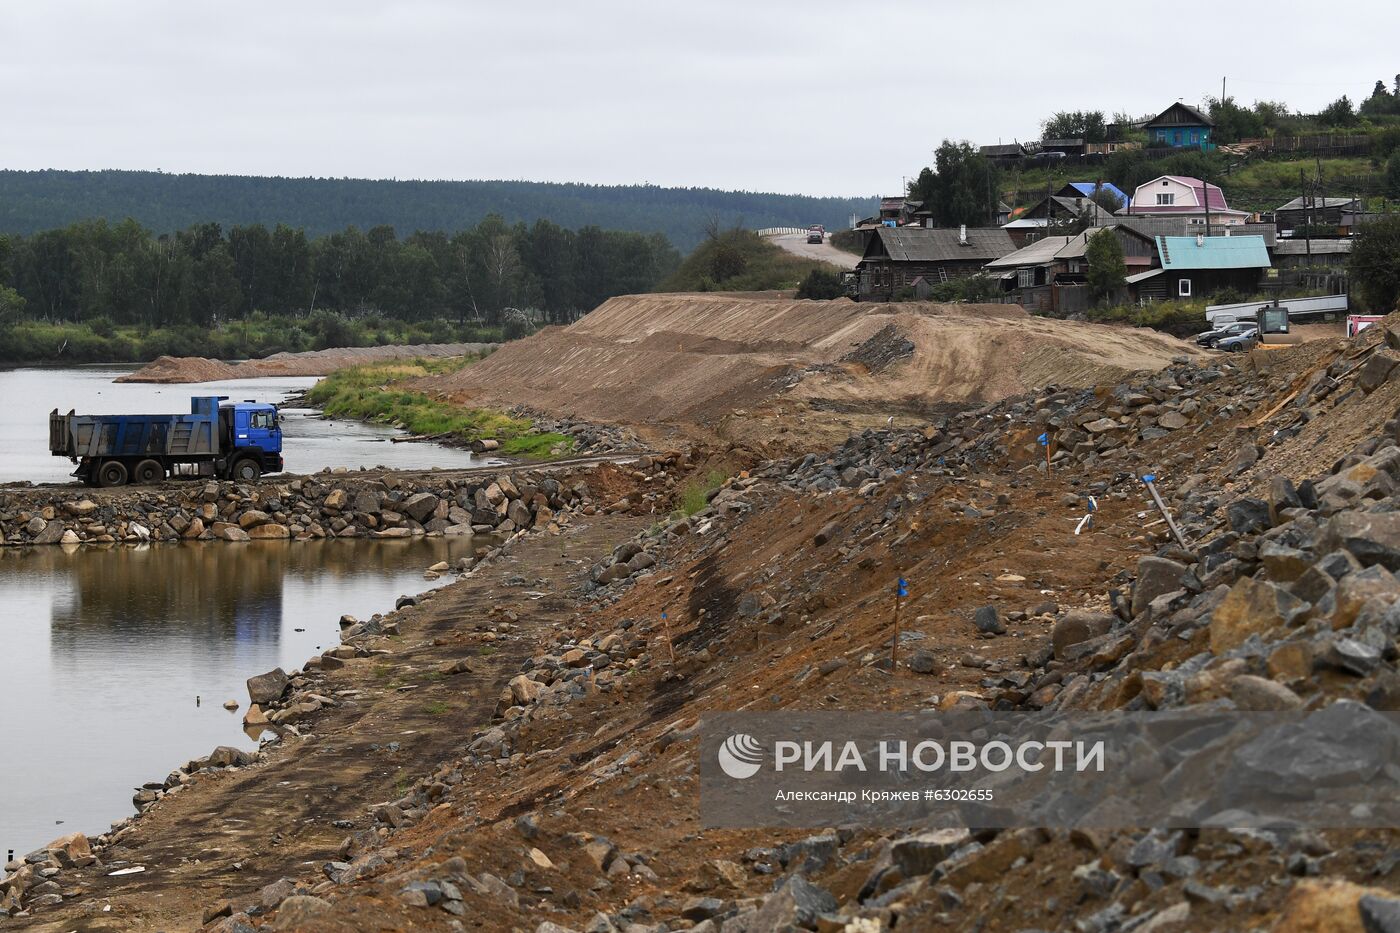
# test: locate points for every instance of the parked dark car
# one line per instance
(1211, 337)
(1238, 342)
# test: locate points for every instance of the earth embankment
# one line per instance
(695, 359)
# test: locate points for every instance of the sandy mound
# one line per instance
(172, 369)
(647, 359)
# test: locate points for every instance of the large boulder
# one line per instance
(1078, 626)
(270, 531)
(268, 688)
(1373, 537)
(1377, 370)
(1252, 607)
(51, 533)
(253, 518)
(1156, 576)
(419, 507)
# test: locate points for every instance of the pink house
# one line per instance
(1180, 195)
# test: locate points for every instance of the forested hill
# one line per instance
(34, 201)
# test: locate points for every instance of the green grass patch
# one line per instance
(436, 708)
(379, 393)
(695, 494)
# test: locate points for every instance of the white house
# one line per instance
(1182, 196)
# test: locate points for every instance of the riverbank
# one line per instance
(172, 370)
(390, 393)
(356, 728)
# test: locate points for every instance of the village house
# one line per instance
(1199, 266)
(1055, 211)
(1002, 153)
(1316, 213)
(1180, 126)
(1051, 275)
(895, 257)
(1181, 195)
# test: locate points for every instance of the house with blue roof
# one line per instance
(1087, 189)
(1200, 266)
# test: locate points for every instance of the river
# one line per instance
(104, 651)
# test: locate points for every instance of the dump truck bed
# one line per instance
(77, 436)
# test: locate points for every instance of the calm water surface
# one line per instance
(105, 650)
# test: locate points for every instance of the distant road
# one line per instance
(825, 252)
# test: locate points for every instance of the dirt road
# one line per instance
(822, 252)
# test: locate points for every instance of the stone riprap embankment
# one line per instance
(329, 506)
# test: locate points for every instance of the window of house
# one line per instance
(1195, 136)
(1166, 198)
(1183, 288)
(1025, 278)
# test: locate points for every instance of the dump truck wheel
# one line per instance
(112, 473)
(247, 470)
(148, 472)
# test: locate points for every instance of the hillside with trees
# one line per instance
(963, 187)
(35, 201)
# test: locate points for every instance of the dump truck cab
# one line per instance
(252, 435)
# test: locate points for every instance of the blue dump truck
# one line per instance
(230, 440)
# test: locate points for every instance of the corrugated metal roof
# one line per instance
(1213, 252)
(1298, 204)
(1183, 225)
(920, 244)
(1037, 253)
(1078, 246)
(1193, 116)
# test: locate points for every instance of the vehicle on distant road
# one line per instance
(1241, 341)
(231, 440)
(1233, 329)
(816, 233)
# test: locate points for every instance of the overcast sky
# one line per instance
(815, 97)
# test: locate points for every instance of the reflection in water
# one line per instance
(103, 651)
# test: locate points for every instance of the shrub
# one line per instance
(821, 284)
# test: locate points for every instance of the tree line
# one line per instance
(165, 202)
(202, 276)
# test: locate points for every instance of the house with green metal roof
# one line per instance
(1200, 266)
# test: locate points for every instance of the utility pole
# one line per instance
(1205, 201)
(1303, 205)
